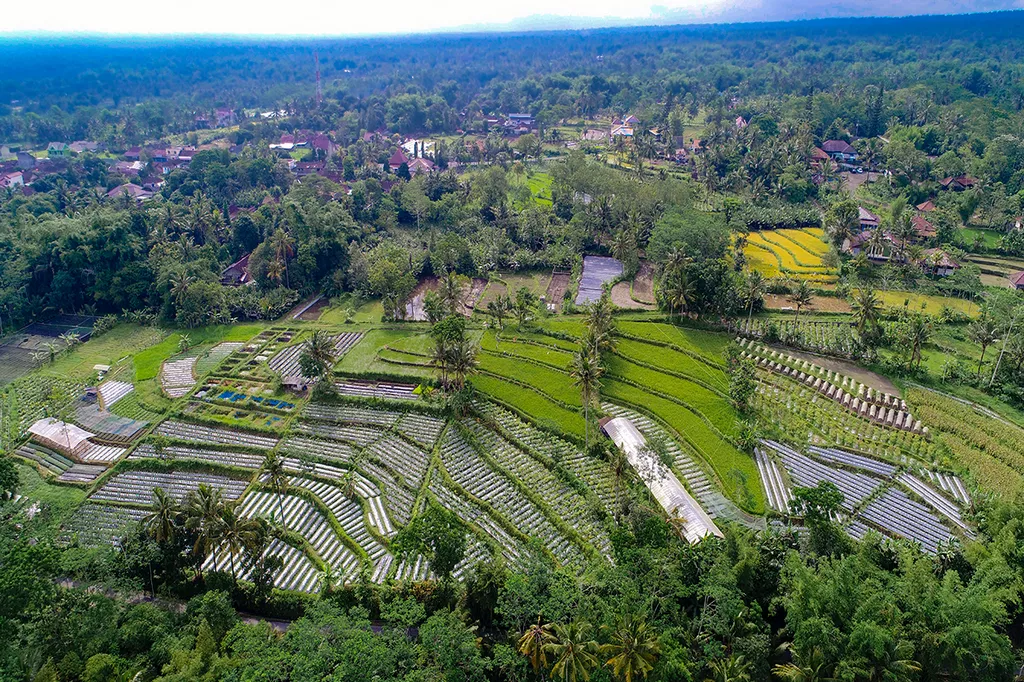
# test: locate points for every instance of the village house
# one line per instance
(237, 274)
(12, 180)
(133, 190)
(939, 263)
(397, 159)
(867, 219)
(57, 150)
(1017, 280)
(958, 183)
(82, 146)
(924, 229)
(225, 117)
(840, 151)
(421, 165)
(926, 207)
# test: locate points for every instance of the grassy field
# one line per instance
(540, 187)
(508, 283)
(148, 361)
(709, 345)
(365, 356)
(927, 303)
(672, 360)
(117, 345)
(536, 407)
(989, 238)
(361, 311)
(550, 382)
(58, 502)
(522, 346)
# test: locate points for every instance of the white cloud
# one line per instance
(317, 17)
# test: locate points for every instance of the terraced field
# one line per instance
(794, 253)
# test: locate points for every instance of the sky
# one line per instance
(358, 17)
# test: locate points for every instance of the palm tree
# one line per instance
(283, 246)
(179, 286)
(450, 291)
(920, 332)
(276, 475)
(810, 668)
(586, 374)
(753, 289)
(679, 293)
(318, 354)
(202, 509)
(237, 533)
(497, 308)
(574, 652)
(732, 669)
(633, 650)
(983, 332)
(892, 664)
(866, 311)
(801, 297)
(533, 642)
(461, 361)
(162, 520)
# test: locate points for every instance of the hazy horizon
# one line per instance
(100, 18)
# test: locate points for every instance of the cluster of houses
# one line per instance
(884, 247)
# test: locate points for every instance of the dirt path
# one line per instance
(864, 376)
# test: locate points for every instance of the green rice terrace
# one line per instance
(341, 472)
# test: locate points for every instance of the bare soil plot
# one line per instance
(311, 312)
(643, 283)
(557, 287)
(819, 304)
(622, 298)
(468, 302)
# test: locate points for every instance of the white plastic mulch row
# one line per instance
(837, 456)
(103, 454)
(421, 428)
(286, 363)
(238, 459)
(933, 499)
(138, 487)
(298, 515)
(896, 513)
(350, 415)
(297, 572)
(362, 487)
(771, 479)
(594, 472)
(562, 499)
(177, 377)
(112, 391)
(82, 473)
(398, 499)
(325, 449)
(467, 469)
(377, 390)
(473, 514)
(198, 433)
(349, 515)
(953, 486)
(359, 435)
(807, 472)
(404, 459)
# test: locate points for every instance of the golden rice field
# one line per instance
(789, 253)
